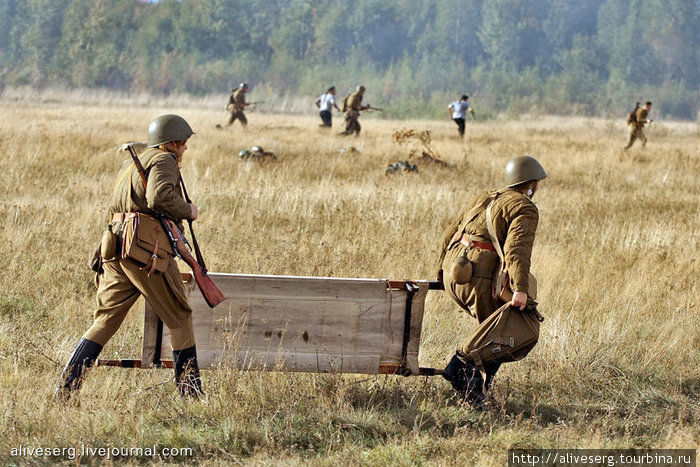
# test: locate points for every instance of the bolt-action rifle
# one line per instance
(211, 293)
(369, 107)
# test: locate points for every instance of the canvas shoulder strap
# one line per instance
(124, 180)
(128, 173)
(492, 231)
(473, 213)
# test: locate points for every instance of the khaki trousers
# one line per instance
(475, 296)
(636, 133)
(352, 125)
(238, 116)
(120, 286)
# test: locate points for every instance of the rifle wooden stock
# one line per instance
(211, 293)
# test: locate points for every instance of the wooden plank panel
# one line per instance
(294, 323)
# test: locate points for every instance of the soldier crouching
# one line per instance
(514, 219)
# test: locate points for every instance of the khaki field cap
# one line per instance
(522, 169)
(167, 128)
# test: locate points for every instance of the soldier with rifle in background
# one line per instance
(636, 121)
(352, 105)
(236, 105)
(143, 193)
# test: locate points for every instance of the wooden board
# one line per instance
(315, 324)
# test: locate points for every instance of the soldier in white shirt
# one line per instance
(325, 103)
(458, 110)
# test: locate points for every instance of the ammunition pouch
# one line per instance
(145, 241)
(95, 261)
(108, 245)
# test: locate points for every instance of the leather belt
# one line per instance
(475, 244)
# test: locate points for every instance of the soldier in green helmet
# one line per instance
(122, 280)
(514, 217)
(236, 105)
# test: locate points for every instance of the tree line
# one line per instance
(582, 57)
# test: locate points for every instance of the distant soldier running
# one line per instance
(325, 103)
(636, 121)
(352, 107)
(458, 110)
(236, 105)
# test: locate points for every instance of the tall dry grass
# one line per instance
(616, 257)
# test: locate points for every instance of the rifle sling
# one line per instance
(139, 167)
(197, 251)
(492, 232)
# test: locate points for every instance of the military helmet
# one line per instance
(522, 169)
(360, 88)
(242, 85)
(167, 128)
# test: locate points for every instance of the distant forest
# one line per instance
(580, 57)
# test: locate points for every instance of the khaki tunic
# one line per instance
(515, 219)
(354, 105)
(123, 280)
(352, 114)
(237, 100)
(637, 128)
(236, 105)
(641, 115)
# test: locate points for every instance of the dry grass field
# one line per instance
(616, 256)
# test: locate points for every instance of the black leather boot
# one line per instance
(72, 377)
(491, 371)
(187, 372)
(466, 379)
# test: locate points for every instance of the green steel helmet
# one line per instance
(242, 85)
(167, 128)
(522, 169)
(360, 88)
